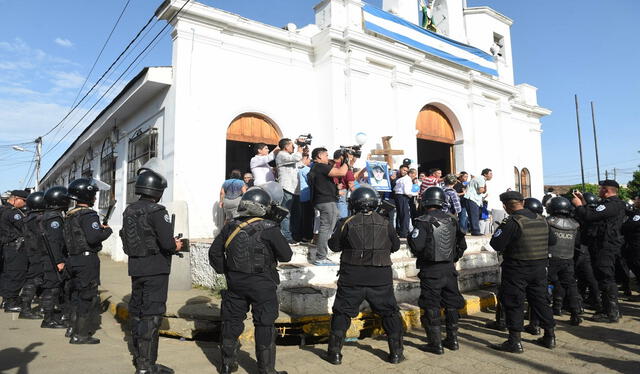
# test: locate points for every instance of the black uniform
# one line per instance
(53, 227)
(606, 222)
(523, 239)
(34, 249)
(561, 266)
(583, 266)
(631, 249)
(438, 243)
(83, 237)
(249, 262)
(147, 238)
(14, 258)
(366, 241)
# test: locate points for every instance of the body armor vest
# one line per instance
(138, 237)
(565, 230)
(246, 252)
(368, 236)
(534, 239)
(74, 236)
(32, 229)
(442, 246)
(55, 241)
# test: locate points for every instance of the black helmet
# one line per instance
(559, 205)
(363, 200)
(628, 206)
(83, 190)
(56, 198)
(254, 203)
(150, 183)
(433, 196)
(591, 199)
(533, 205)
(35, 201)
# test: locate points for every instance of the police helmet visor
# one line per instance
(156, 165)
(100, 185)
(275, 191)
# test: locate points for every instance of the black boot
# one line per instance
(548, 340)
(575, 319)
(532, 329)
(431, 324)
(266, 357)
(614, 311)
(156, 321)
(557, 306)
(512, 345)
(28, 293)
(499, 323)
(605, 312)
(396, 349)
(229, 349)
(12, 305)
(451, 340)
(334, 350)
(71, 323)
(82, 332)
(50, 322)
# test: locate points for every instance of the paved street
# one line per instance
(594, 348)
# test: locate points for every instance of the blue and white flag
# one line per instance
(405, 32)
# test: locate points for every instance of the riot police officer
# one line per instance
(147, 238)
(247, 251)
(57, 203)
(631, 232)
(606, 220)
(582, 260)
(366, 240)
(523, 239)
(14, 258)
(83, 236)
(33, 247)
(438, 243)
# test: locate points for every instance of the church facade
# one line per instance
(446, 96)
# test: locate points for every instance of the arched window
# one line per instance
(525, 182)
(142, 147)
(516, 174)
(73, 170)
(107, 173)
(85, 169)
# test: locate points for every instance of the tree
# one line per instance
(624, 193)
(634, 184)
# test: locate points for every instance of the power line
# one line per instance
(119, 77)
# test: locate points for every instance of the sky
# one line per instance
(47, 50)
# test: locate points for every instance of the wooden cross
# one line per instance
(387, 151)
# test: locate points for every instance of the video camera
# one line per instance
(354, 150)
(304, 140)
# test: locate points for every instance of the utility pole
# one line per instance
(606, 174)
(614, 173)
(579, 142)
(38, 159)
(595, 139)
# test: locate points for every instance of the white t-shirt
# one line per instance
(404, 186)
(261, 170)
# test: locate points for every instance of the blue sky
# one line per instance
(563, 47)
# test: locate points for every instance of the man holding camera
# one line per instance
(324, 195)
(287, 163)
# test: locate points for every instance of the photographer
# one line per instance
(324, 196)
(287, 163)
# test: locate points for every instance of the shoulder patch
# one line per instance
(55, 225)
(17, 217)
(636, 218)
(95, 225)
(415, 233)
(167, 219)
(600, 208)
(497, 233)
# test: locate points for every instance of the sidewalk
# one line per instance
(197, 311)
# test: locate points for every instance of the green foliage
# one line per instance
(624, 193)
(634, 184)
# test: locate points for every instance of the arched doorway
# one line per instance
(244, 131)
(435, 140)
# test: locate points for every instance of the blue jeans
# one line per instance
(463, 216)
(343, 206)
(474, 217)
(328, 219)
(287, 202)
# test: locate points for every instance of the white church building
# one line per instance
(447, 97)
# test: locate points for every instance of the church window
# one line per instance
(85, 169)
(142, 147)
(73, 170)
(516, 174)
(497, 48)
(525, 181)
(108, 173)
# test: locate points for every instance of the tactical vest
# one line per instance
(442, 246)
(138, 237)
(55, 241)
(368, 236)
(32, 229)
(565, 230)
(245, 252)
(534, 239)
(74, 236)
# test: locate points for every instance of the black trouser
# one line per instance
(584, 274)
(306, 225)
(149, 295)
(520, 281)
(439, 287)
(404, 214)
(14, 269)
(33, 279)
(622, 272)
(85, 275)
(262, 298)
(381, 299)
(632, 255)
(604, 268)
(561, 276)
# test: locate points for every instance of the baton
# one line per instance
(52, 259)
(110, 210)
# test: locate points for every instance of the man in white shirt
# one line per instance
(287, 163)
(475, 194)
(259, 164)
(403, 192)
